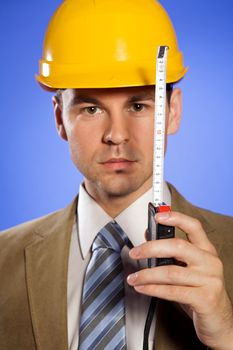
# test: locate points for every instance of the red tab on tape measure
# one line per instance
(164, 208)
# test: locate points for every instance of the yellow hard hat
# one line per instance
(107, 43)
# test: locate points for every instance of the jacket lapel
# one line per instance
(46, 274)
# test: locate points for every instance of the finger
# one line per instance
(191, 226)
(173, 275)
(201, 299)
(179, 294)
(177, 248)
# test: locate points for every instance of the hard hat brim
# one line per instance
(55, 76)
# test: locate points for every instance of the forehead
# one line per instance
(72, 95)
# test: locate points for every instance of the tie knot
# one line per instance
(111, 236)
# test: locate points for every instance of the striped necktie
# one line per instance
(102, 324)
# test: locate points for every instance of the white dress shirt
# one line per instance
(91, 219)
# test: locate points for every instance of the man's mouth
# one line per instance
(118, 163)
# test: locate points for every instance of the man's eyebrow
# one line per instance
(78, 99)
(141, 97)
(84, 99)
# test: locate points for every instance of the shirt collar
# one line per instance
(133, 220)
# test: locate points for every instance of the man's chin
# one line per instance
(117, 190)
(117, 193)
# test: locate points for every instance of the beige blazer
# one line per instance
(33, 281)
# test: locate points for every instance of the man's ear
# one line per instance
(175, 111)
(57, 108)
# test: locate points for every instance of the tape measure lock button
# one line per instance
(164, 208)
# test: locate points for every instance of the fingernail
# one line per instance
(163, 216)
(132, 278)
(135, 252)
(139, 288)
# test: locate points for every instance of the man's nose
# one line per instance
(117, 129)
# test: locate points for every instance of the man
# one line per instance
(102, 70)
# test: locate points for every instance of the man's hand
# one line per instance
(198, 285)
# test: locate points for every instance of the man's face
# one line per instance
(110, 135)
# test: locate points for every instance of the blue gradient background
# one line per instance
(37, 175)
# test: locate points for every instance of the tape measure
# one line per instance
(159, 125)
(156, 230)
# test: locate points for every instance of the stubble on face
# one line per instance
(120, 183)
(109, 184)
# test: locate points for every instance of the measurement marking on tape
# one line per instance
(159, 125)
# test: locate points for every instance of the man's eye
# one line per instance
(92, 109)
(138, 107)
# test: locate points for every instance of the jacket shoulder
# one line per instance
(210, 220)
(219, 221)
(23, 234)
